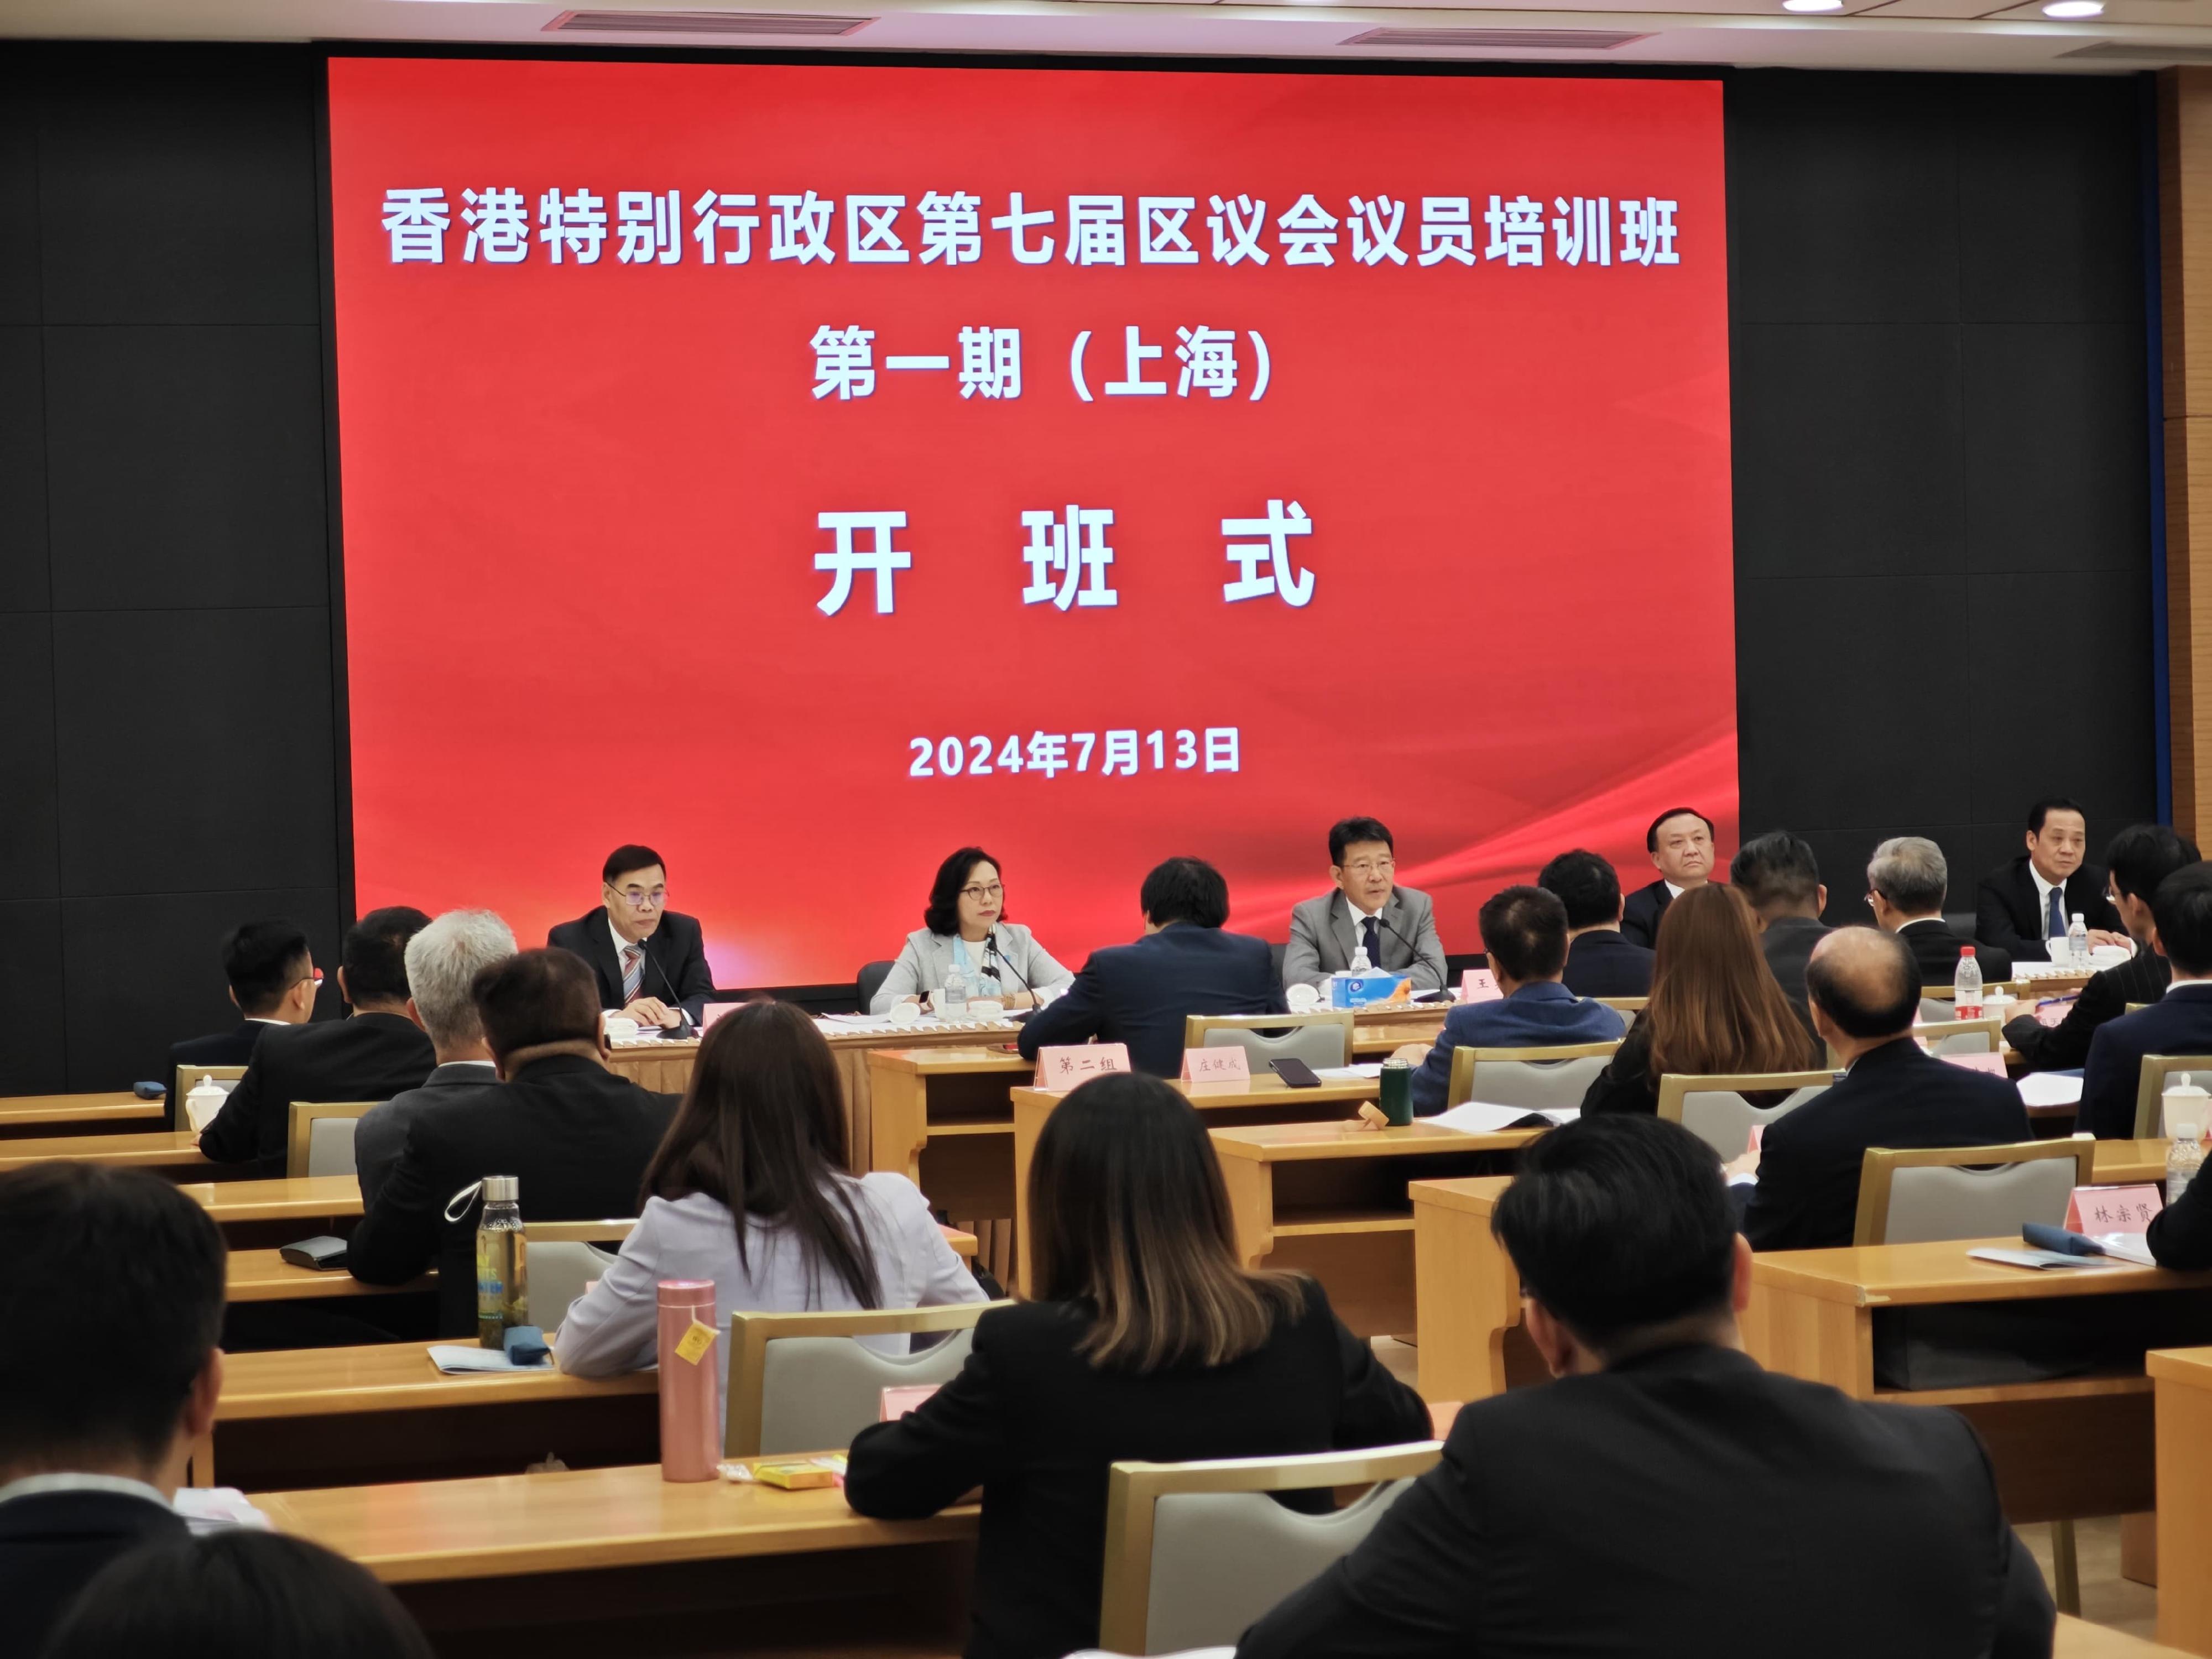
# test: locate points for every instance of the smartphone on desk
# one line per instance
(1295, 1073)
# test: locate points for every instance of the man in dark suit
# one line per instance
(1780, 878)
(1366, 911)
(1600, 962)
(111, 1304)
(2179, 1023)
(1906, 881)
(2141, 856)
(371, 1056)
(273, 982)
(1139, 993)
(1524, 934)
(2023, 905)
(1865, 992)
(577, 1137)
(1631, 1506)
(650, 961)
(1680, 843)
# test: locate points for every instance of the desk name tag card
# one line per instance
(1061, 1068)
(899, 1400)
(2095, 1210)
(1480, 985)
(1216, 1070)
(1993, 1064)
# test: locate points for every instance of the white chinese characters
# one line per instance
(1295, 588)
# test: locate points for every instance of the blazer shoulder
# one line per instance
(1314, 911)
(567, 935)
(1412, 898)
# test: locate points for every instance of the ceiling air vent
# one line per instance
(2129, 52)
(1499, 40)
(723, 23)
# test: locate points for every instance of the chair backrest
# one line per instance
(319, 1140)
(2150, 1084)
(187, 1079)
(871, 980)
(1915, 1195)
(1960, 1037)
(1196, 1552)
(1321, 1038)
(800, 1382)
(1714, 1109)
(559, 1271)
(1936, 1011)
(1536, 1080)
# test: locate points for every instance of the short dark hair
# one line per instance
(1776, 868)
(625, 858)
(2049, 804)
(2182, 906)
(1619, 1222)
(374, 955)
(262, 960)
(1350, 832)
(242, 1593)
(1586, 885)
(942, 914)
(1652, 836)
(1185, 890)
(1524, 933)
(536, 997)
(2144, 855)
(113, 1301)
(1881, 1004)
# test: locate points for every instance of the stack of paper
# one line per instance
(1480, 1117)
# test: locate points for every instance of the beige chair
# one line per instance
(1322, 1038)
(1534, 1079)
(1714, 1109)
(2150, 1085)
(1196, 1552)
(1961, 1037)
(798, 1383)
(1631, 1009)
(1921, 1194)
(319, 1140)
(560, 1270)
(188, 1079)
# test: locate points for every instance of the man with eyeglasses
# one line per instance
(1396, 926)
(650, 961)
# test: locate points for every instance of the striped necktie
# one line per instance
(633, 973)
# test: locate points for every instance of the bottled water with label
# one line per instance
(2077, 941)
(956, 993)
(1967, 986)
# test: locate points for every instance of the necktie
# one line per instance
(2057, 914)
(1374, 942)
(633, 973)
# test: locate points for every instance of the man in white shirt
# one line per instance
(650, 961)
(1906, 880)
(112, 1306)
(1396, 926)
(2022, 906)
(1680, 843)
(272, 981)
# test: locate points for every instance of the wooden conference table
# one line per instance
(2181, 1379)
(174, 1152)
(60, 1114)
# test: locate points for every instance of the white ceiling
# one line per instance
(1871, 34)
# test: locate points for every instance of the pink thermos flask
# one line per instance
(690, 1414)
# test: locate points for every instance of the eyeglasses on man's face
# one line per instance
(638, 899)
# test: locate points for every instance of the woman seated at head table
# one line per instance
(1147, 1340)
(964, 928)
(1716, 1008)
(749, 1189)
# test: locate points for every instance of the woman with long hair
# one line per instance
(1716, 1007)
(1147, 1338)
(749, 1188)
(964, 926)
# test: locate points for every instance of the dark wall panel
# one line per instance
(30, 865)
(23, 584)
(32, 1059)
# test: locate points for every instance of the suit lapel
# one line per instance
(599, 943)
(1339, 924)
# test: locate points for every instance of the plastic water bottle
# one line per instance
(502, 1262)
(2077, 940)
(1967, 986)
(956, 993)
(2184, 1158)
(1359, 963)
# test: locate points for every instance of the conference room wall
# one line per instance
(1938, 385)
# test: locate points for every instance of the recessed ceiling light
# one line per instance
(2074, 9)
(1812, 5)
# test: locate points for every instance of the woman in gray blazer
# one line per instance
(962, 925)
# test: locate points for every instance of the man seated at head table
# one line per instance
(1524, 933)
(1680, 843)
(443, 960)
(650, 961)
(1600, 961)
(1906, 880)
(575, 1136)
(2021, 906)
(1780, 879)
(2178, 1022)
(112, 1306)
(1139, 993)
(272, 982)
(1396, 926)
(2141, 856)
(373, 1056)
(1665, 1495)
(1865, 992)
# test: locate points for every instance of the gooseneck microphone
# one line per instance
(991, 949)
(682, 1014)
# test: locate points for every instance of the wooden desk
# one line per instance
(24, 1116)
(1376, 1033)
(663, 1067)
(262, 1213)
(165, 1151)
(263, 1276)
(2182, 1379)
(1467, 1295)
(2078, 1640)
(2070, 1447)
(2130, 1162)
(1267, 1101)
(1331, 1200)
(944, 1118)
